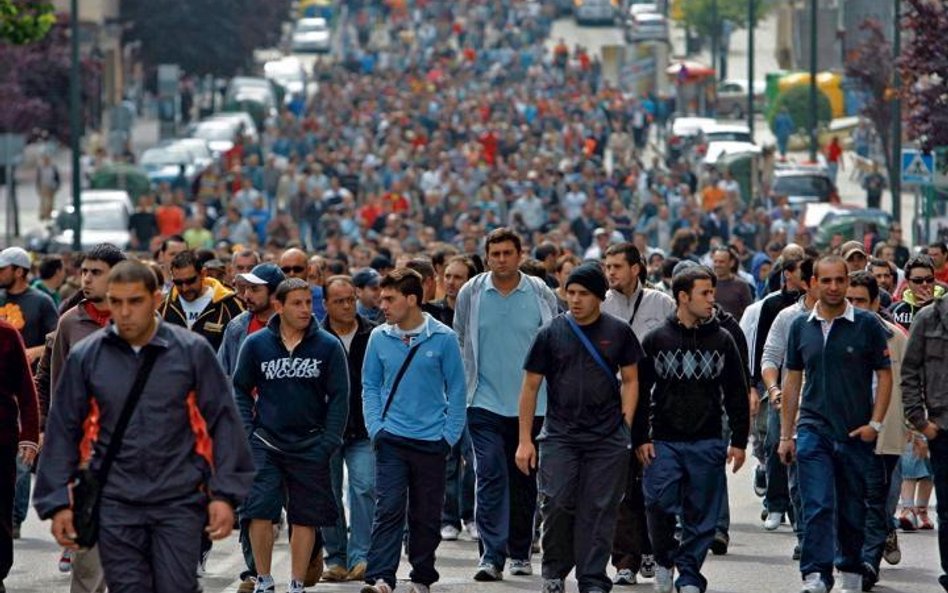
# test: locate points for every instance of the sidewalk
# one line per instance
(144, 135)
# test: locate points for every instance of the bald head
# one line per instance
(293, 262)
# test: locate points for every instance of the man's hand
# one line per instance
(526, 457)
(931, 431)
(645, 453)
(220, 519)
(63, 530)
(736, 458)
(754, 402)
(867, 433)
(27, 452)
(787, 451)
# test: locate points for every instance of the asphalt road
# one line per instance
(758, 561)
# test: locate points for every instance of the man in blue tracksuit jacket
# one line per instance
(413, 425)
(295, 424)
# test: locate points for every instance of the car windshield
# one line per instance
(165, 156)
(729, 137)
(104, 217)
(801, 185)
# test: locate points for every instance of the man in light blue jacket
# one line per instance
(497, 315)
(413, 403)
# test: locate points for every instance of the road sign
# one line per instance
(11, 148)
(917, 167)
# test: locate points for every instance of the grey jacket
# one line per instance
(654, 308)
(234, 335)
(925, 368)
(466, 311)
(183, 436)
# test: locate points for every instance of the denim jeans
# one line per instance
(878, 515)
(939, 456)
(459, 484)
(506, 498)
(778, 486)
(686, 479)
(348, 547)
(833, 491)
(21, 501)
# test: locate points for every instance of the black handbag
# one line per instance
(87, 485)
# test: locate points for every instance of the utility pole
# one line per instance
(813, 50)
(75, 125)
(895, 181)
(751, 50)
(715, 39)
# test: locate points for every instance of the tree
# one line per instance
(797, 101)
(871, 65)
(924, 68)
(23, 21)
(203, 36)
(698, 15)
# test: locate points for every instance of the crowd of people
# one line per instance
(467, 283)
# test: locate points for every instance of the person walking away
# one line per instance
(347, 545)
(497, 315)
(874, 183)
(835, 432)
(691, 375)
(413, 400)
(47, 184)
(184, 464)
(299, 376)
(834, 158)
(925, 401)
(784, 127)
(586, 435)
(19, 432)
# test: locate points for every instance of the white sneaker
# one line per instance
(380, 586)
(664, 579)
(624, 577)
(773, 521)
(813, 583)
(471, 528)
(521, 568)
(450, 533)
(850, 582)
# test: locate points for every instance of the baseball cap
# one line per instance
(15, 256)
(600, 231)
(851, 248)
(366, 277)
(269, 274)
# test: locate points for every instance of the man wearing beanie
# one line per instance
(586, 435)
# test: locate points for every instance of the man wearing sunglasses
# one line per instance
(921, 291)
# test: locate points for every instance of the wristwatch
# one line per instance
(876, 426)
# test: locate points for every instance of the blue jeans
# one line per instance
(686, 479)
(833, 491)
(348, 547)
(778, 487)
(878, 515)
(21, 499)
(459, 484)
(506, 498)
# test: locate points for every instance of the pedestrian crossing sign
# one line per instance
(917, 167)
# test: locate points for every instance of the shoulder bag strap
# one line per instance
(638, 301)
(150, 354)
(398, 378)
(590, 348)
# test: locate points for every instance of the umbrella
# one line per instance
(132, 179)
(689, 70)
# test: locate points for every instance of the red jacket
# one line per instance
(19, 407)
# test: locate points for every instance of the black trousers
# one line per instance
(8, 452)
(631, 540)
(581, 485)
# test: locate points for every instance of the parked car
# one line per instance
(199, 149)
(311, 35)
(647, 26)
(170, 163)
(802, 185)
(256, 96)
(718, 132)
(289, 74)
(732, 98)
(852, 225)
(683, 134)
(105, 216)
(601, 12)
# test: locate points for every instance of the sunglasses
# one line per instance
(923, 280)
(184, 281)
(293, 269)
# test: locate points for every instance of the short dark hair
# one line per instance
(566, 258)
(406, 281)
(919, 261)
(939, 246)
(533, 267)
(133, 272)
(502, 235)
(545, 250)
(50, 266)
(288, 286)
(171, 239)
(631, 253)
(443, 256)
(187, 259)
(106, 253)
(828, 259)
(464, 261)
(423, 266)
(864, 278)
(668, 266)
(203, 256)
(806, 269)
(685, 280)
(338, 279)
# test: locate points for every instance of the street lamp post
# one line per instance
(751, 19)
(813, 51)
(715, 39)
(74, 125)
(895, 183)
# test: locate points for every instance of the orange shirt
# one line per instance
(712, 197)
(170, 220)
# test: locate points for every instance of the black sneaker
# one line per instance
(760, 481)
(869, 577)
(487, 573)
(797, 552)
(720, 544)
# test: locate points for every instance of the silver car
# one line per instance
(311, 35)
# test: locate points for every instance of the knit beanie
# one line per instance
(590, 277)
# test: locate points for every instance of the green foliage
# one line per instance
(699, 14)
(797, 101)
(23, 21)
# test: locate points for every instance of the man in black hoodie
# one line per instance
(691, 367)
